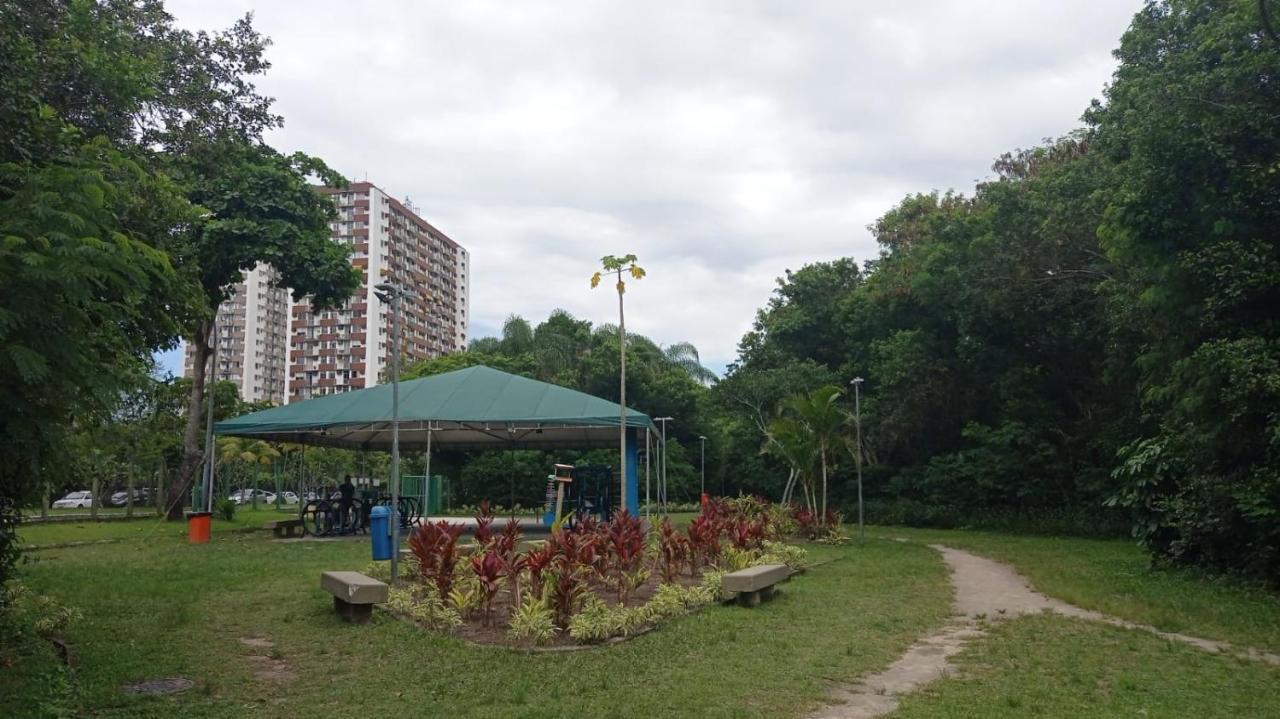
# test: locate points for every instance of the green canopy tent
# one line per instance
(468, 409)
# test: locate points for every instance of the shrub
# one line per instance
(673, 551)
(573, 561)
(224, 509)
(598, 621)
(488, 569)
(783, 553)
(704, 540)
(465, 598)
(435, 546)
(484, 523)
(426, 609)
(532, 622)
(624, 553)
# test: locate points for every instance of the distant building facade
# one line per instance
(349, 347)
(252, 330)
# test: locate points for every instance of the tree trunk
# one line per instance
(823, 514)
(191, 454)
(622, 400)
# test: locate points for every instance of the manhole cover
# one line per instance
(169, 685)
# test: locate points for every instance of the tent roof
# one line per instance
(473, 408)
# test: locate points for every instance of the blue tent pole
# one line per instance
(632, 498)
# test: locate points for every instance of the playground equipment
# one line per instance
(578, 492)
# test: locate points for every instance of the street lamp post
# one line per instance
(702, 493)
(393, 295)
(662, 467)
(857, 455)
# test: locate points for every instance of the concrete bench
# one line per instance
(354, 594)
(284, 527)
(754, 584)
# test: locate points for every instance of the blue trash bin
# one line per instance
(380, 532)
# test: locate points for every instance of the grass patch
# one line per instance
(162, 607)
(1052, 666)
(140, 528)
(1115, 577)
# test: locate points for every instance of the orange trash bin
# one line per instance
(198, 524)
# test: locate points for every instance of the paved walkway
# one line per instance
(984, 590)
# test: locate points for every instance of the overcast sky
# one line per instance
(721, 142)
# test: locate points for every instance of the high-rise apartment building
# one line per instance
(350, 347)
(281, 351)
(253, 338)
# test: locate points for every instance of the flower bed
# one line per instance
(583, 585)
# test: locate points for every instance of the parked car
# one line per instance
(75, 500)
(289, 497)
(245, 496)
(141, 495)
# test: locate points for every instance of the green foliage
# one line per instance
(225, 509)
(423, 607)
(1090, 337)
(532, 622)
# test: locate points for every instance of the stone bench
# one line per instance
(284, 527)
(754, 584)
(354, 594)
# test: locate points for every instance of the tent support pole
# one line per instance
(646, 476)
(426, 486)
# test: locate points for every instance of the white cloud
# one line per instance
(722, 142)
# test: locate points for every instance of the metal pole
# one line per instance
(857, 425)
(647, 511)
(210, 386)
(704, 466)
(395, 435)
(426, 488)
(662, 468)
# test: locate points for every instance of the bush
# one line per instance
(533, 622)
(424, 608)
(225, 509)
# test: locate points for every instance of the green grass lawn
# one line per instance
(1050, 666)
(161, 607)
(1115, 577)
(156, 606)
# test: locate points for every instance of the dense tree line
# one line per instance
(661, 382)
(135, 187)
(1092, 337)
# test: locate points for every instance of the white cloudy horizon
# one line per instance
(721, 142)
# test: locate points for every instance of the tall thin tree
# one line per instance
(618, 265)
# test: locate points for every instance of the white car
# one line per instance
(245, 496)
(75, 500)
(288, 497)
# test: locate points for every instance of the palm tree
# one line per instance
(790, 440)
(617, 265)
(685, 356)
(826, 423)
(517, 335)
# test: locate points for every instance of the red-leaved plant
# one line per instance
(624, 551)
(513, 563)
(537, 561)
(567, 575)
(488, 569)
(435, 546)
(704, 540)
(806, 522)
(484, 523)
(673, 551)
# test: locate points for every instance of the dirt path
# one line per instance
(984, 591)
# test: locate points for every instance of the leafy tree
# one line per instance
(1190, 125)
